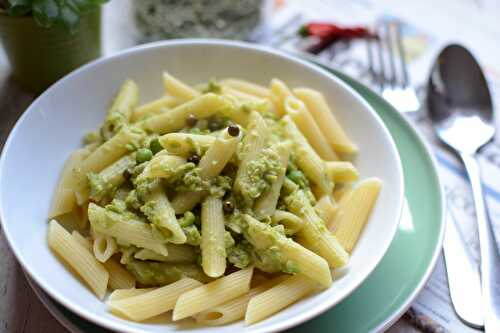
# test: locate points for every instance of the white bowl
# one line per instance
(54, 124)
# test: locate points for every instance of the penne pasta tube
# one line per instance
(126, 99)
(262, 236)
(265, 205)
(177, 88)
(184, 144)
(305, 122)
(157, 106)
(247, 87)
(119, 294)
(314, 233)
(126, 229)
(104, 247)
(341, 172)
(325, 119)
(291, 222)
(213, 251)
(201, 107)
(211, 164)
(278, 297)
(307, 159)
(356, 209)
(152, 303)
(161, 166)
(213, 294)
(78, 258)
(279, 92)
(326, 208)
(236, 308)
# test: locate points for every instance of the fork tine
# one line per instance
(381, 72)
(391, 53)
(402, 55)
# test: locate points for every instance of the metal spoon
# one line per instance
(461, 110)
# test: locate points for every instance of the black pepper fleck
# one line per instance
(228, 206)
(194, 159)
(191, 120)
(233, 130)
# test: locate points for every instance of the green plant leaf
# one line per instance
(69, 18)
(45, 12)
(18, 7)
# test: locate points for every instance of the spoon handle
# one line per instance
(490, 259)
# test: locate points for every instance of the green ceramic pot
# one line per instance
(40, 56)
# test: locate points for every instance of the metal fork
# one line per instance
(388, 67)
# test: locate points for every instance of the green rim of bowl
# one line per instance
(411, 257)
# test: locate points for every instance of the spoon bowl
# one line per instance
(459, 101)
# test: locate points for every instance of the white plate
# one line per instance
(53, 125)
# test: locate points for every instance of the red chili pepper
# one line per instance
(332, 31)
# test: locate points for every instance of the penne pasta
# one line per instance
(119, 294)
(305, 122)
(64, 198)
(125, 100)
(161, 166)
(265, 205)
(341, 172)
(184, 144)
(154, 302)
(104, 247)
(236, 308)
(211, 164)
(119, 277)
(262, 236)
(126, 229)
(326, 209)
(291, 222)
(201, 107)
(213, 251)
(314, 233)
(157, 106)
(356, 209)
(79, 258)
(247, 87)
(325, 119)
(307, 159)
(279, 92)
(177, 88)
(273, 300)
(213, 294)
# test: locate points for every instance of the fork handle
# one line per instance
(490, 259)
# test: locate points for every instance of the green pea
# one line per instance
(297, 177)
(155, 146)
(143, 155)
(187, 220)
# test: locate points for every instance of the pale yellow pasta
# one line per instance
(278, 297)
(79, 258)
(326, 208)
(183, 254)
(126, 99)
(119, 294)
(103, 247)
(64, 197)
(314, 233)
(177, 88)
(356, 211)
(125, 229)
(253, 142)
(201, 107)
(157, 106)
(213, 294)
(211, 164)
(306, 261)
(161, 166)
(162, 215)
(341, 172)
(342, 193)
(305, 122)
(213, 251)
(185, 144)
(112, 175)
(119, 277)
(152, 303)
(147, 254)
(243, 96)
(307, 159)
(247, 87)
(234, 309)
(279, 92)
(291, 222)
(82, 240)
(330, 127)
(265, 205)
